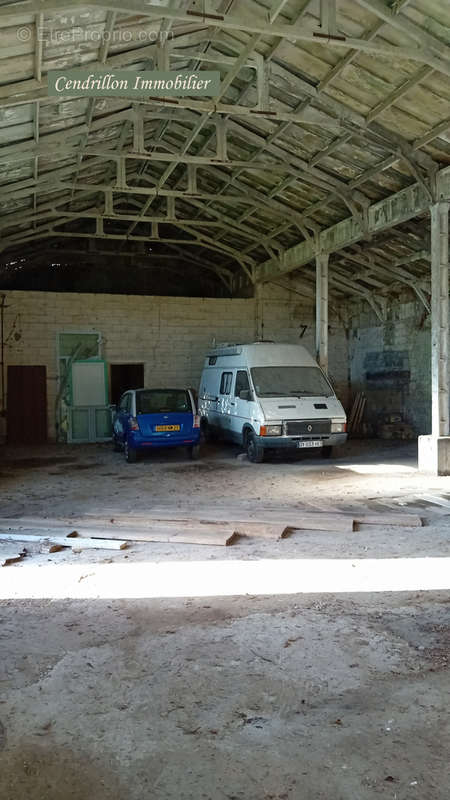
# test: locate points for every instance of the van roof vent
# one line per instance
(226, 350)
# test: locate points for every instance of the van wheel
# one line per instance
(327, 451)
(194, 452)
(130, 453)
(255, 453)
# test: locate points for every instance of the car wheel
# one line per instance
(327, 451)
(194, 452)
(255, 453)
(130, 453)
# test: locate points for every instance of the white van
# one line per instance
(267, 395)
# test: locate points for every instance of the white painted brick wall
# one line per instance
(170, 335)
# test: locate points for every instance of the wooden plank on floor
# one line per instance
(301, 520)
(260, 530)
(10, 555)
(171, 535)
(270, 523)
(63, 541)
(204, 535)
(434, 498)
(250, 527)
(402, 520)
(47, 548)
(338, 523)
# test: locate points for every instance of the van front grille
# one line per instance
(307, 427)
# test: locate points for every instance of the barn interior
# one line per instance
(218, 628)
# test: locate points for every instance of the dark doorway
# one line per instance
(123, 377)
(27, 405)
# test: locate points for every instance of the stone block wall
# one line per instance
(391, 362)
(169, 335)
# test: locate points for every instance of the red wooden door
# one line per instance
(27, 405)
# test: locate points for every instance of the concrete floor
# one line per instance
(289, 696)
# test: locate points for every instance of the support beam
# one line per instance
(406, 26)
(428, 50)
(434, 450)
(170, 218)
(259, 313)
(388, 213)
(303, 104)
(434, 133)
(263, 83)
(328, 17)
(200, 240)
(162, 57)
(107, 34)
(191, 179)
(276, 9)
(322, 310)
(423, 298)
(397, 93)
(221, 138)
(439, 320)
(59, 180)
(184, 158)
(39, 23)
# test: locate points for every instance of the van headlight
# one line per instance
(338, 427)
(270, 430)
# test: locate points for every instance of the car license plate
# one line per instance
(161, 428)
(313, 443)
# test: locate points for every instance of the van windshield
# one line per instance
(290, 382)
(158, 401)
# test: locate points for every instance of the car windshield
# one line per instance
(290, 382)
(162, 401)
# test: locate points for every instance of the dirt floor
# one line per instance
(251, 697)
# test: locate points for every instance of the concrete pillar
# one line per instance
(434, 450)
(322, 310)
(439, 320)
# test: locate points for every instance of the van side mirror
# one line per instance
(245, 394)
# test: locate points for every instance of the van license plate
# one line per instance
(315, 443)
(161, 428)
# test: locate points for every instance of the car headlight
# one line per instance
(338, 427)
(270, 430)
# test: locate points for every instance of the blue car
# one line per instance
(153, 418)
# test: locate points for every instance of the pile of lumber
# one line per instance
(115, 534)
(398, 430)
(355, 419)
